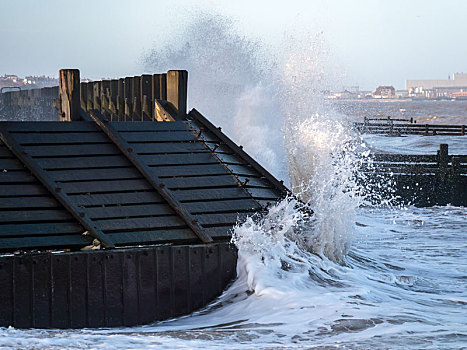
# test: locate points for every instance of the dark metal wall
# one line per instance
(105, 288)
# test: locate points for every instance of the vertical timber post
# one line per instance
(69, 93)
(443, 155)
(177, 90)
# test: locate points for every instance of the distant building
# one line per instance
(384, 92)
(437, 88)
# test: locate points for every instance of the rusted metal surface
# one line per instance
(119, 287)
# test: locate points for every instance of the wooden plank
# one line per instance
(16, 177)
(10, 164)
(161, 236)
(152, 177)
(168, 147)
(116, 198)
(38, 229)
(224, 193)
(129, 211)
(71, 150)
(4, 152)
(149, 136)
(69, 93)
(105, 186)
(160, 222)
(207, 125)
(225, 180)
(34, 215)
(222, 219)
(94, 174)
(60, 138)
(186, 159)
(220, 231)
(68, 241)
(223, 206)
(150, 126)
(49, 127)
(83, 162)
(196, 170)
(27, 202)
(48, 182)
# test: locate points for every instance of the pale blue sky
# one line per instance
(372, 42)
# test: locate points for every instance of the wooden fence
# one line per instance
(423, 180)
(139, 98)
(410, 129)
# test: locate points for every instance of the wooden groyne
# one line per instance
(392, 126)
(109, 223)
(422, 180)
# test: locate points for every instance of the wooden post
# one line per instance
(146, 96)
(69, 94)
(443, 155)
(462, 130)
(177, 90)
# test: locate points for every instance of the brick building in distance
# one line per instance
(384, 92)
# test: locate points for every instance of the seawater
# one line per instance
(350, 276)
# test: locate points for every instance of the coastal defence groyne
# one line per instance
(421, 180)
(111, 220)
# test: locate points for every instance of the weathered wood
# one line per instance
(69, 94)
(27, 202)
(231, 205)
(49, 215)
(159, 236)
(108, 185)
(170, 136)
(95, 174)
(129, 211)
(83, 162)
(60, 138)
(51, 186)
(146, 127)
(186, 159)
(136, 97)
(160, 222)
(115, 198)
(71, 150)
(146, 94)
(168, 147)
(65, 241)
(16, 177)
(151, 176)
(223, 194)
(207, 125)
(50, 127)
(177, 82)
(196, 170)
(22, 190)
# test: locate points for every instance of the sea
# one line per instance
(358, 273)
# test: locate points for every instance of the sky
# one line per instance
(370, 42)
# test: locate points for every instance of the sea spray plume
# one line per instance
(267, 244)
(228, 82)
(321, 151)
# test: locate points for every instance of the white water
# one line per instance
(347, 277)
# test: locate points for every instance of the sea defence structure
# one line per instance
(421, 180)
(392, 126)
(122, 212)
